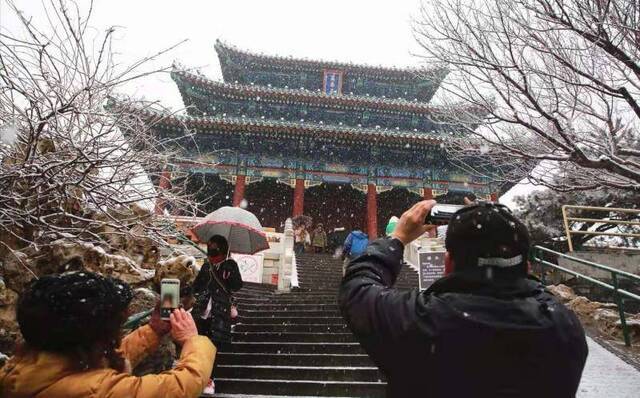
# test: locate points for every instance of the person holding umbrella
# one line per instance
(226, 230)
(213, 288)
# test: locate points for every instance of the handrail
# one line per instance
(566, 219)
(537, 255)
(590, 263)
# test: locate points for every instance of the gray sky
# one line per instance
(376, 32)
(363, 31)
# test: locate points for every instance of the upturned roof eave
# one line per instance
(415, 74)
(314, 130)
(305, 96)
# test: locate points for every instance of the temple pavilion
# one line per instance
(349, 145)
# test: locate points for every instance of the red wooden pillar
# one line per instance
(298, 198)
(238, 191)
(428, 194)
(372, 212)
(163, 184)
(494, 197)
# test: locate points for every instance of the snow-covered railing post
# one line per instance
(286, 258)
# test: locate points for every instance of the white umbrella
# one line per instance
(241, 228)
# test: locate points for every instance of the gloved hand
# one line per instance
(183, 327)
(161, 327)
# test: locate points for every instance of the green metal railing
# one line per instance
(538, 256)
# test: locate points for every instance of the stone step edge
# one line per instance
(258, 354)
(323, 382)
(281, 367)
(266, 396)
(287, 333)
(297, 343)
(290, 324)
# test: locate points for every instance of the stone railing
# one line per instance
(422, 244)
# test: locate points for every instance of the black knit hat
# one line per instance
(72, 309)
(488, 235)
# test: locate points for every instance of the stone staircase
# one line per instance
(297, 344)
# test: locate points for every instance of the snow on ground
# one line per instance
(606, 375)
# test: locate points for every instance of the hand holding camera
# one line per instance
(411, 224)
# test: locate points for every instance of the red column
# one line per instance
(428, 194)
(372, 212)
(298, 198)
(494, 197)
(238, 191)
(163, 184)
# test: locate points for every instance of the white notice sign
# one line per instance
(250, 266)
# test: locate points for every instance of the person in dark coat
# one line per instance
(486, 330)
(213, 288)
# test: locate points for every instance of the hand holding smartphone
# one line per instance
(169, 297)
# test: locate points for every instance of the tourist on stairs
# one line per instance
(213, 290)
(72, 325)
(319, 240)
(300, 239)
(486, 330)
(354, 246)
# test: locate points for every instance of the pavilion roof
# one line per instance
(295, 129)
(288, 95)
(289, 63)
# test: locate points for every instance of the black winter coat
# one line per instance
(466, 336)
(218, 324)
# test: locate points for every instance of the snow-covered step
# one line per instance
(251, 313)
(315, 373)
(288, 307)
(291, 320)
(285, 327)
(297, 347)
(312, 388)
(297, 343)
(291, 337)
(294, 359)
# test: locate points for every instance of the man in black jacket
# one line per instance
(485, 330)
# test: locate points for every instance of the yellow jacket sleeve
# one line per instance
(138, 344)
(186, 380)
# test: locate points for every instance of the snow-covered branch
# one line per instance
(558, 81)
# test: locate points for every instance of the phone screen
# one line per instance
(169, 296)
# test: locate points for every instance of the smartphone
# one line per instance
(441, 213)
(169, 296)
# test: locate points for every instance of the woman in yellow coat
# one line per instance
(71, 326)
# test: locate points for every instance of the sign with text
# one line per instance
(250, 266)
(332, 82)
(431, 268)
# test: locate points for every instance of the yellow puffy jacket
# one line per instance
(49, 375)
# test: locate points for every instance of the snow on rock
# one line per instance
(563, 292)
(603, 316)
(181, 267)
(72, 256)
(143, 299)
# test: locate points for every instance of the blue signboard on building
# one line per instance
(332, 82)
